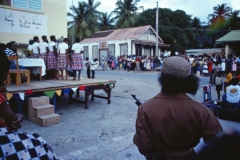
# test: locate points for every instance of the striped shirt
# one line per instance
(9, 52)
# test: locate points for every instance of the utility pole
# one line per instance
(156, 53)
(73, 26)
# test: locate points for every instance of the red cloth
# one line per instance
(210, 66)
(82, 88)
(28, 92)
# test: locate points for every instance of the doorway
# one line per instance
(103, 56)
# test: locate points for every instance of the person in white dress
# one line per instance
(52, 58)
(44, 49)
(76, 60)
(63, 57)
(223, 65)
(35, 48)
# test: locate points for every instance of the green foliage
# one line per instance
(175, 27)
(105, 21)
(126, 13)
(85, 18)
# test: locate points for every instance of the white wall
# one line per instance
(56, 12)
(131, 50)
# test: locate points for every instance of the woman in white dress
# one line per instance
(205, 68)
(223, 65)
(76, 60)
(148, 66)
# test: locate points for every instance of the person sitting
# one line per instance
(232, 96)
(9, 51)
(17, 145)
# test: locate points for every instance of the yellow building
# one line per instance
(21, 20)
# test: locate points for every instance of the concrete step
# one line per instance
(32, 103)
(44, 110)
(48, 120)
(38, 101)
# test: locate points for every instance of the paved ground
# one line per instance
(105, 132)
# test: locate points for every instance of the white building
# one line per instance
(21, 20)
(137, 41)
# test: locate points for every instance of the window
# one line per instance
(28, 4)
(111, 50)
(95, 52)
(85, 52)
(123, 49)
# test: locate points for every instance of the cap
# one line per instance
(176, 66)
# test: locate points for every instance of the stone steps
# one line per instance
(41, 112)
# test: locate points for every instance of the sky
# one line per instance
(196, 8)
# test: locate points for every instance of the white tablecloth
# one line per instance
(34, 63)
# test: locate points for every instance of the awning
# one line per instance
(151, 43)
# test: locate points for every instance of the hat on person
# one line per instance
(176, 66)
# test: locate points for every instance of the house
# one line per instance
(232, 42)
(198, 52)
(139, 41)
(21, 20)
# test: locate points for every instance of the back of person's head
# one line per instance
(86, 58)
(44, 38)
(65, 40)
(3, 46)
(31, 41)
(52, 38)
(234, 81)
(4, 65)
(35, 38)
(9, 45)
(226, 147)
(77, 39)
(175, 76)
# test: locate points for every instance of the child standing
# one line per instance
(88, 64)
(218, 83)
(93, 65)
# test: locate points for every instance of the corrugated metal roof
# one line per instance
(232, 36)
(118, 34)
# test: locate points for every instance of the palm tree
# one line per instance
(105, 21)
(235, 20)
(196, 24)
(220, 12)
(84, 19)
(93, 7)
(126, 13)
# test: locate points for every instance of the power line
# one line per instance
(195, 29)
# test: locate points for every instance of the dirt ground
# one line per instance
(104, 131)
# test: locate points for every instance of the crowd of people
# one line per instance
(167, 131)
(133, 62)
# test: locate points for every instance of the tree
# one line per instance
(126, 13)
(219, 22)
(84, 19)
(234, 20)
(175, 27)
(220, 12)
(105, 21)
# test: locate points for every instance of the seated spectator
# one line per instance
(232, 96)
(17, 145)
(9, 52)
(226, 147)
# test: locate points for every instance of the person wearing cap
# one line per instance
(170, 125)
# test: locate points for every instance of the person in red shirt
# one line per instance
(210, 64)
